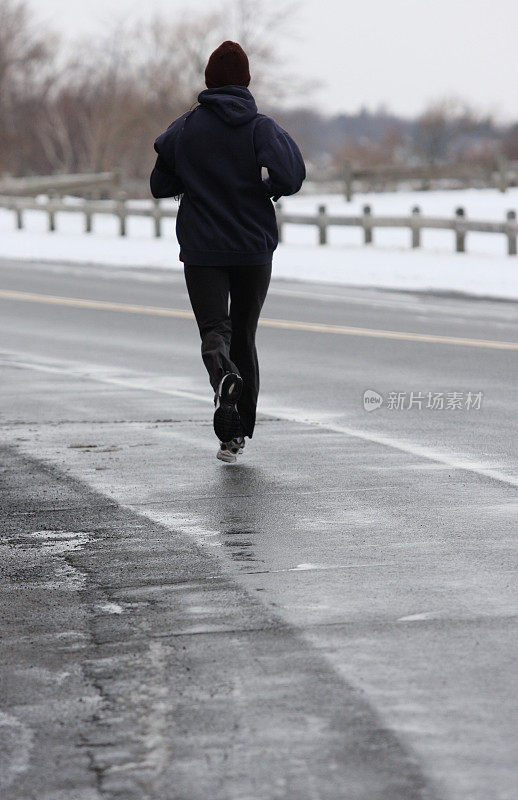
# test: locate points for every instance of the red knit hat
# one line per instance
(228, 65)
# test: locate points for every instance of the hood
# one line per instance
(233, 104)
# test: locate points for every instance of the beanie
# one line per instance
(227, 65)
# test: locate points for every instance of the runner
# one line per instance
(212, 157)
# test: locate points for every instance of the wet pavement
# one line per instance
(137, 668)
(333, 617)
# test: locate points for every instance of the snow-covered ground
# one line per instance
(485, 270)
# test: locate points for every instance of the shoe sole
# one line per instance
(227, 457)
(228, 453)
(227, 424)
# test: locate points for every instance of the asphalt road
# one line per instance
(334, 617)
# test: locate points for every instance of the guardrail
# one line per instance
(89, 182)
(460, 225)
(500, 174)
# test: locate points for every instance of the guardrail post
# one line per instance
(460, 230)
(157, 215)
(19, 217)
(415, 227)
(511, 233)
(88, 218)
(348, 180)
(116, 183)
(502, 174)
(52, 214)
(367, 225)
(121, 213)
(322, 225)
(278, 212)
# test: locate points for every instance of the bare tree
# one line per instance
(260, 26)
(434, 130)
(444, 129)
(171, 58)
(510, 143)
(174, 55)
(100, 108)
(25, 76)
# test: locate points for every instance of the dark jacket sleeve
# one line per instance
(276, 150)
(164, 181)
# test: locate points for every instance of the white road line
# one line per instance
(131, 380)
(421, 617)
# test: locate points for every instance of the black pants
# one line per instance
(228, 337)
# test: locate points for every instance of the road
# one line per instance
(334, 617)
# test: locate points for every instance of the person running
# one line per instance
(212, 157)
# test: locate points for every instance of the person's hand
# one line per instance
(270, 191)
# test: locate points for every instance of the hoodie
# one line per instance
(212, 156)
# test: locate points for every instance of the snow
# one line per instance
(485, 270)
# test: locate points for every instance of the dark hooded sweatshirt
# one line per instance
(212, 156)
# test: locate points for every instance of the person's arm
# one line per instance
(276, 150)
(163, 181)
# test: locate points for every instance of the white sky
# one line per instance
(402, 53)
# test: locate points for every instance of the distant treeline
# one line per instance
(99, 105)
(446, 132)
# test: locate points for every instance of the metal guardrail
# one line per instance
(460, 225)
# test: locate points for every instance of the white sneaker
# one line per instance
(229, 451)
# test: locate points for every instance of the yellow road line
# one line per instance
(103, 305)
(286, 324)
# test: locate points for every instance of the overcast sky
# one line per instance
(402, 53)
